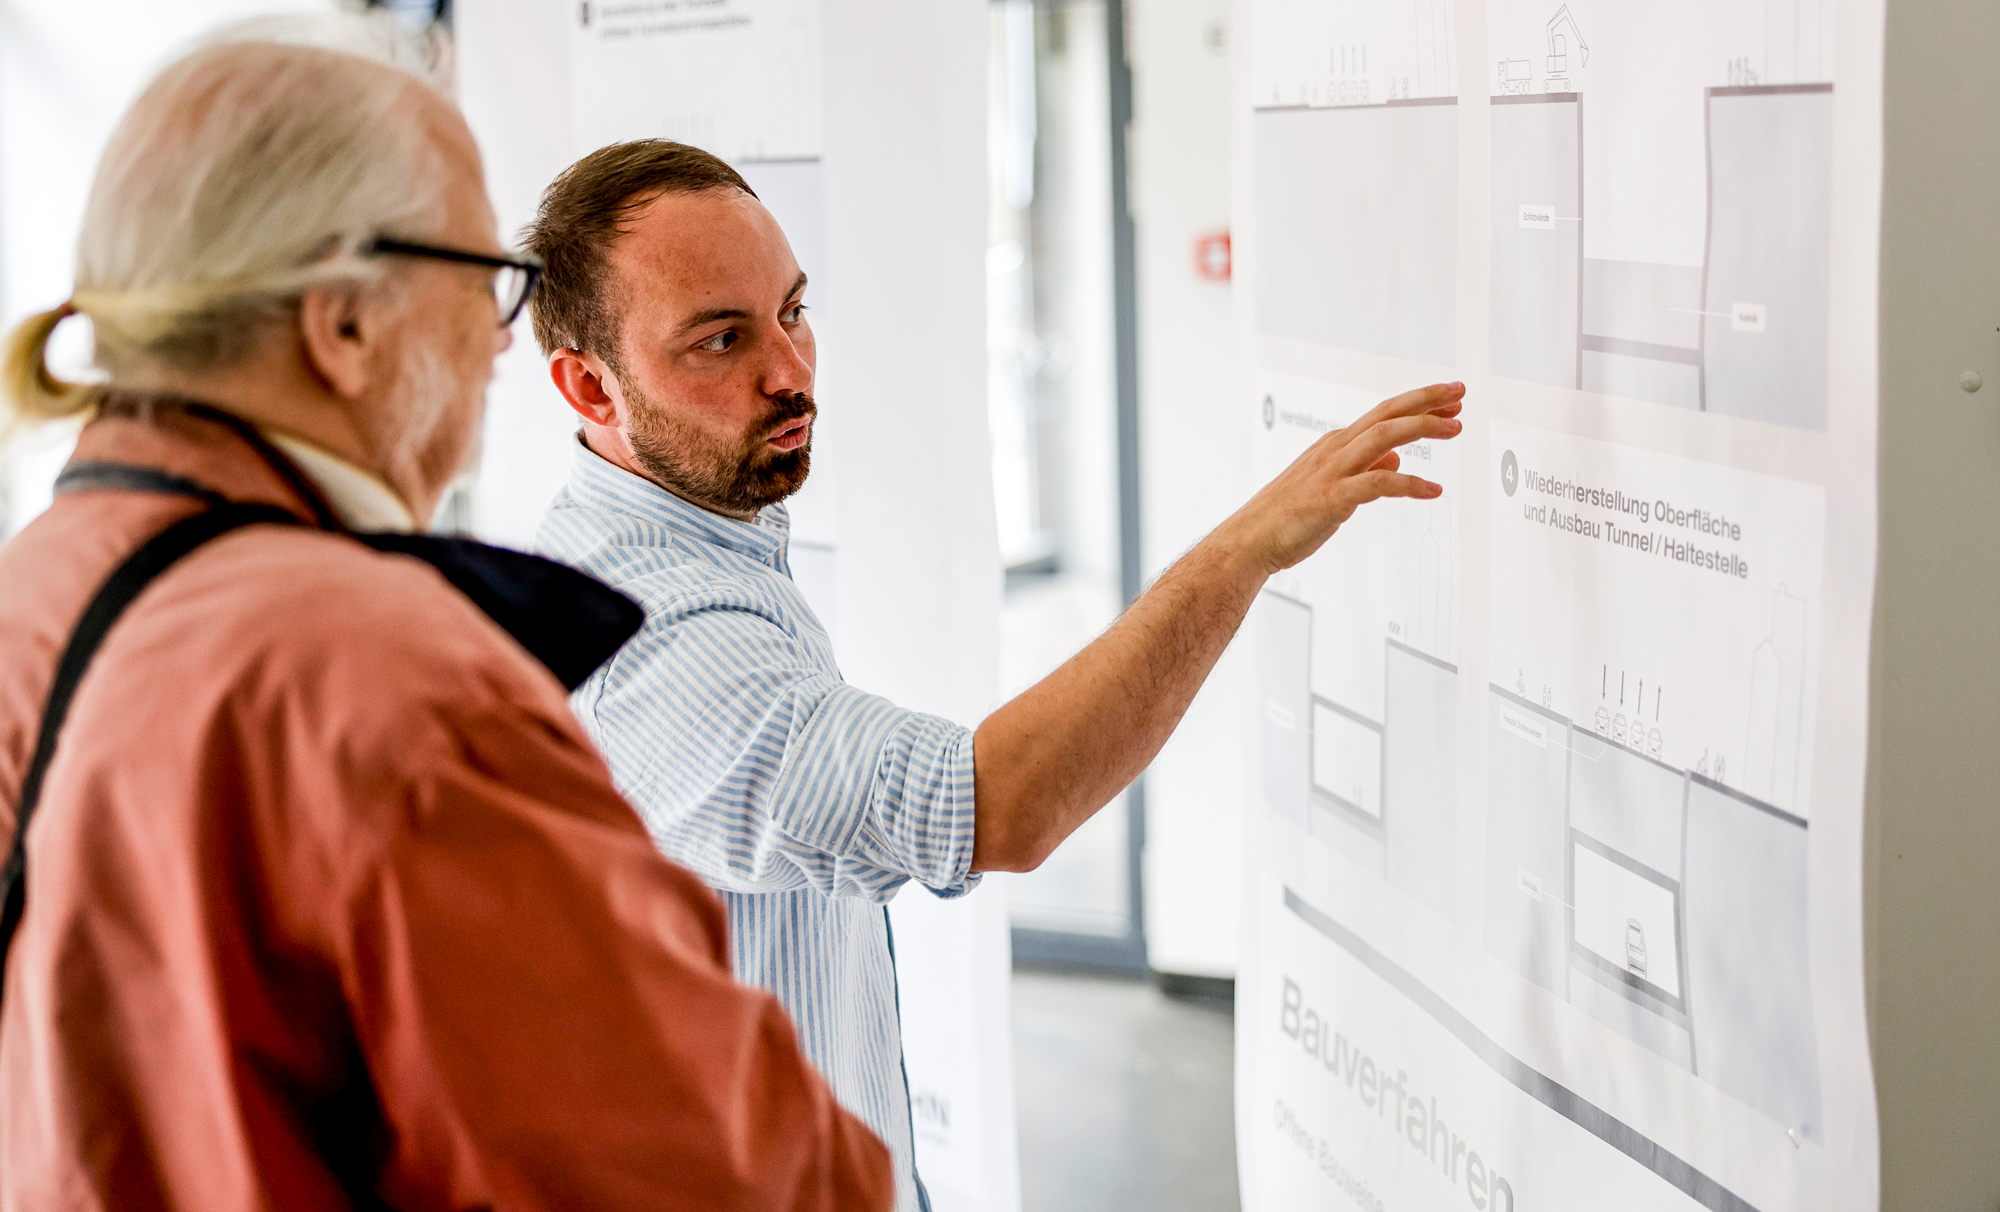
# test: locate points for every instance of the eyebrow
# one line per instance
(711, 315)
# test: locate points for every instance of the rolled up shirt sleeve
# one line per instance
(752, 762)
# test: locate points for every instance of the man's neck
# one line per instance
(276, 392)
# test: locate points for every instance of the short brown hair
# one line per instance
(581, 217)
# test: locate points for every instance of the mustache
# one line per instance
(791, 408)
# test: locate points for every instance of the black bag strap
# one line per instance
(567, 620)
(97, 476)
(130, 579)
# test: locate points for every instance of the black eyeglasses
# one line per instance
(514, 278)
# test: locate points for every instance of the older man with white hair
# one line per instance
(318, 896)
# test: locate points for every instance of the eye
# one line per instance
(720, 342)
(796, 314)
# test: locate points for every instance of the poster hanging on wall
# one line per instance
(1554, 899)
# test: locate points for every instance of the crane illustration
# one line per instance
(1557, 80)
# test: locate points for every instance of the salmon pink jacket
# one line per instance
(331, 904)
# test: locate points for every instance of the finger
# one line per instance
(1366, 448)
(1388, 462)
(1438, 399)
(1435, 398)
(1375, 485)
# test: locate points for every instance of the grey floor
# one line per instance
(1125, 1097)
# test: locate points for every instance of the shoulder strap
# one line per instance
(96, 476)
(568, 620)
(125, 584)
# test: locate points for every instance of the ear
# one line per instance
(583, 380)
(338, 339)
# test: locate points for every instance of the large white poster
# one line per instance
(1555, 898)
(740, 78)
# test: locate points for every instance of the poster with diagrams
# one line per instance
(739, 78)
(1557, 873)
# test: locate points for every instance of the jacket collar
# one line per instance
(201, 452)
(597, 481)
(361, 498)
(565, 619)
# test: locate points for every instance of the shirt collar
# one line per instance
(363, 501)
(597, 481)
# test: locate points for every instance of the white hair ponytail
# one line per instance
(248, 173)
(35, 394)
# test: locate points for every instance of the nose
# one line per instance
(790, 371)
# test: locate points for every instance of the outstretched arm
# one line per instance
(1050, 758)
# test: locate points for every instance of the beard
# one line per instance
(427, 387)
(739, 477)
(439, 422)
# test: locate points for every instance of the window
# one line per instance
(1056, 381)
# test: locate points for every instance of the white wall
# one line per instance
(1934, 770)
(1193, 457)
(918, 575)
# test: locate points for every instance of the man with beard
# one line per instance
(324, 901)
(673, 315)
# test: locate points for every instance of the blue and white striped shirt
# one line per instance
(805, 802)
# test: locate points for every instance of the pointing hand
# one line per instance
(1296, 513)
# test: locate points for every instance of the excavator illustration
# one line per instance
(1557, 79)
(1517, 76)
